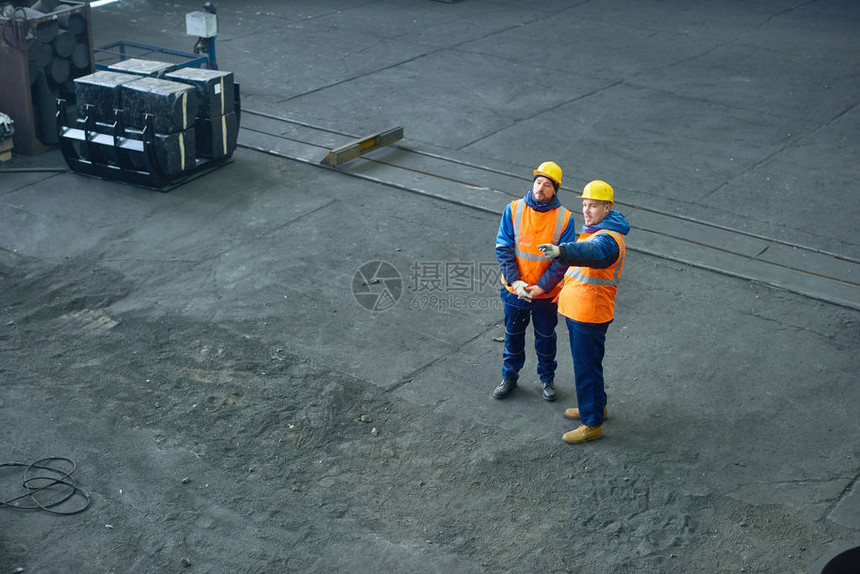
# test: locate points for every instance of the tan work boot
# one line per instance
(573, 413)
(583, 434)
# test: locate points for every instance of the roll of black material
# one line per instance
(214, 88)
(174, 105)
(34, 72)
(64, 43)
(74, 22)
(40, 54)
(44, 29)
(44, 111)
(46, 5)
(58, 71)
(81, 56)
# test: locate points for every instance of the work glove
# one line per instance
(519, 287)
(549, 250)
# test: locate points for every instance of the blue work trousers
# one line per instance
(587, 341)
(545, 316)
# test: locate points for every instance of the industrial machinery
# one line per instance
(44, 46)
(153, 122)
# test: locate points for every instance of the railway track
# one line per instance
(800, 269)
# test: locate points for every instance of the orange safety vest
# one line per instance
(588, 294)
(533, 228)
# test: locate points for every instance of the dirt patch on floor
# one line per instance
(214, 448)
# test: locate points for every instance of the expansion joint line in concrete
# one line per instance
(849, 488)
(411, 376)
(416, 57)
(297, 218)
(790, 145)
(839, 115)
(544, 111)
(359, 76)
(260, 236)
(738, 35)
(785, 11)
(54, 173)
(755, 166)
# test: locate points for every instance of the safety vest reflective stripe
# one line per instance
(532, 228)
(588, 294)
(517, 206)
(575, 273)
(559, 227)
(518, 221)
(531, 257)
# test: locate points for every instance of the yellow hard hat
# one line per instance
(599, 190)
(551, 170)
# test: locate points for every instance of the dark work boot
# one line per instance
(504, 388)
(548, 391)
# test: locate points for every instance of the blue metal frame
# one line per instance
(118, 51)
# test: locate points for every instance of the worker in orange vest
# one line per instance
(587, 301)
(526, 223)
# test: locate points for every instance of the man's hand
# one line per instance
(549, 250)
(535, 291)
(520, 287)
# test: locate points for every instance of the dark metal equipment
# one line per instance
(151, 116)
(43, 48)
(144, 131)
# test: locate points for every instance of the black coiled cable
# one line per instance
(48, 486)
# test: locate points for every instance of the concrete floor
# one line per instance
(729, 393)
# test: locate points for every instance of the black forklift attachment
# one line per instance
(151, 116)
(149, 131)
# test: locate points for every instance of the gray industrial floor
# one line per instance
(233, 407)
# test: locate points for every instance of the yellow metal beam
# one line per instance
(361, 146)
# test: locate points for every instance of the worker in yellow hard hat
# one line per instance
(587, 301)
(535, 219)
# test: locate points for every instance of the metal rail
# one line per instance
(526, 179)
(494, 171)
